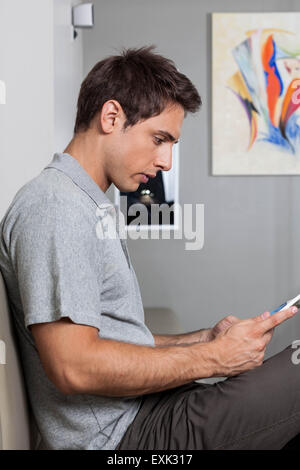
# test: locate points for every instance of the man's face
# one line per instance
(143, 149)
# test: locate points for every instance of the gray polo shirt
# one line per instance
(55, 264)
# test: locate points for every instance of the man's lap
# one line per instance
(258, 409)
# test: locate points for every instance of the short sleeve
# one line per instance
(56, 257)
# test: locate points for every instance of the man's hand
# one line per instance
(242, 345)
(222, 325)
(228, 321)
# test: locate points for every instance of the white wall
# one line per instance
(26, 66)
(67, 72)
(42, 67)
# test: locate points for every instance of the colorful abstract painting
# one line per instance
(256, 93)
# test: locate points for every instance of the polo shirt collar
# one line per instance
(72, 168)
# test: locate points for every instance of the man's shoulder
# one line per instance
(51, 186)
(49, 196)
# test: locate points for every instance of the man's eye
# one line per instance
(158, 141)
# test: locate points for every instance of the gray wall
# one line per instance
(250, 259)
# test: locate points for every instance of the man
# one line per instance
(96, 376)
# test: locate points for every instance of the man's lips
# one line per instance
(146, 176)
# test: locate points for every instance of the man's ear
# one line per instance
(111, 116)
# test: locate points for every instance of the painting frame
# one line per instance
(230, 123)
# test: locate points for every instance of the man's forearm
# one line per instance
(199, 336)
(113, 368)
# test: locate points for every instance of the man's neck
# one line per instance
(86, 151)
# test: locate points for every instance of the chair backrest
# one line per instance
(14, 414)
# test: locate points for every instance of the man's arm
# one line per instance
(78, 361)
(199, 336)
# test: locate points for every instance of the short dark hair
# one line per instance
(143, 82)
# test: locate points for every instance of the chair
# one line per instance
(14, 414)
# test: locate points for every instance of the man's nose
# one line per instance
(164, 161)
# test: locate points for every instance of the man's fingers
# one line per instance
(263, 316)
(232, 318)
(278, 317)
(268, 336)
